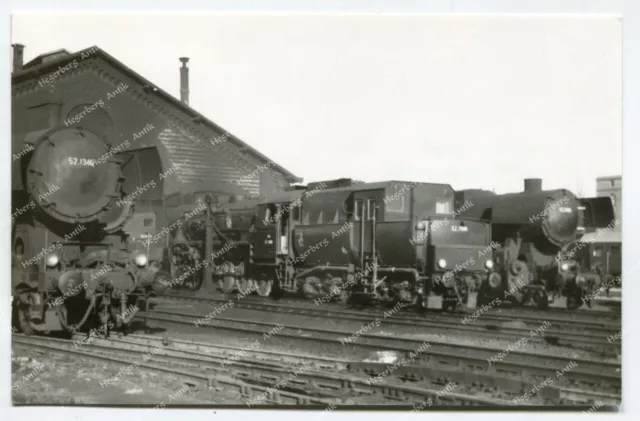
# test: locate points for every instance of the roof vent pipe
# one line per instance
(18, 57)
(184, 80)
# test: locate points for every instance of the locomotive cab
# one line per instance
(458, 257)
(598, 255)
(276, 219)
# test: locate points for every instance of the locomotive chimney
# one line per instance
(184, 80)
(18, 57)
(532, 185)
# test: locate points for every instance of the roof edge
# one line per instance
(24, 74)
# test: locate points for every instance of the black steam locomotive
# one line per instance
(536, 231)
(340, 240)
(69, 249)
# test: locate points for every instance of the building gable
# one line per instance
(121, 103)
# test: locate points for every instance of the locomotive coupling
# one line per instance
(70, 283)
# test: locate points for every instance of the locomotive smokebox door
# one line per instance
(70, 177)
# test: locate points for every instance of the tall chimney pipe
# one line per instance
(18, 57)
(532, 185)
(184, 80)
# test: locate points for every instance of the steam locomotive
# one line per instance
(69, 248)
(339, 240)
(537, 232)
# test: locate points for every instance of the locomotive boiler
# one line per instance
(70, 251)
(534, 229)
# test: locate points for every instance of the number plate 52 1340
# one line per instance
(81, 162)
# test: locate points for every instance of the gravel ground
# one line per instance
(42, 377)
(48, 378)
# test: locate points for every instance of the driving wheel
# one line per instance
(227, 283)
(264, 288)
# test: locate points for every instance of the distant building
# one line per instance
(611, 186)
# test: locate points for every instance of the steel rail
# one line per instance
(218, 382)
(418, 375)
(593, 318)
(525, 366)
(262, 377)
(556, 336)
(583, 319)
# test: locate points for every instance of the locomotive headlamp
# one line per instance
(564, 267)
(442, 263)
(488, 264)
(52, 260)
(140, 260)
(421, 225)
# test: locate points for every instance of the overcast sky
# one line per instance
(476, 102)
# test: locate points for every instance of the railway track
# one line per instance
(254, 377)
(592, 337)
(593, 318)
(591, 376)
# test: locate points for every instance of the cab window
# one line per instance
(371, 209)
(396, 204)
(267, 215)
(295, 213)
(357, 211)
(273, 212)
(443, 207)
